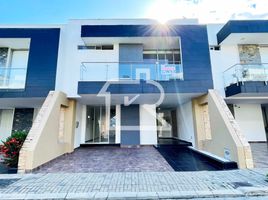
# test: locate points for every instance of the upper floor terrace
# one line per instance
(175, 55)
(244, 48)
(28, 61)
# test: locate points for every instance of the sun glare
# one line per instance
(162, 11)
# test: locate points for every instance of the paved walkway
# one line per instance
(260, 154)
(109, 159)
(136, 185)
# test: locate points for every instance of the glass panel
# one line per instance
(161, 70)
(112, 125)
(97, 125)
(150, 56)
(104, 121)
(12, 78)
(90, 125)
(100, 126)
(169, 57)
(161, 56)
(3, 57)
(125, 71)
(164, 123)
(177, 58)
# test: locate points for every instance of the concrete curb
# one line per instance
(240, 192)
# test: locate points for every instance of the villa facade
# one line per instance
(133, 83)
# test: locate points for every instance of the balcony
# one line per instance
(115, 71)
(246, 79)
(12, 78)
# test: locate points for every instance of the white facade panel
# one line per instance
(70, 59)
(264, 54)
(250, 119)
(148, 128)
(118, 125)
(6, 122)
(78, 125)
(221, 61)
(185, 122)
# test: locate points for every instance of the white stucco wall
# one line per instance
(185, 122)
(6, 122)
(220, 60)
(68, 70)
(250, 119)
(264, 54)
(79, 123)
(118, 124)
(148, 129)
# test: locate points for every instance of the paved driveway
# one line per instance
(109, 159)
(260, 154)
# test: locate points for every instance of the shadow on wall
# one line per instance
(54, 127)
(217, 132)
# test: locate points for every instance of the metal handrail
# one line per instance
(237, 64)
(84, 68)
(10, 68)
(238, 72)
(130, 62)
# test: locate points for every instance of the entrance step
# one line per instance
(97, 145)
(163, 142)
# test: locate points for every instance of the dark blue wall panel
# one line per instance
(242, 26)
(175, 86)
(253, 87)
(42, 62)
(130, 116)
(194, 45)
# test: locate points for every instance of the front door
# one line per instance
(100, 125)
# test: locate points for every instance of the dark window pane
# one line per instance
(107, 47)
(150, 56)
(169, 57)
(3, 56)
(161, 56)
(177, 58)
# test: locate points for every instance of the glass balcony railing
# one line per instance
(12, 78)
(245, 72)
(108, 71)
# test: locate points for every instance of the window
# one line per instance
(96, 47)
(13, 67)
(215, 47)
(171, 56)
(3, 56)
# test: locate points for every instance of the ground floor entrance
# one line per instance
(100, 125)
(135, 125)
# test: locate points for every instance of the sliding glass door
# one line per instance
(99, 125)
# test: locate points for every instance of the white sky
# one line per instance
(208, 11)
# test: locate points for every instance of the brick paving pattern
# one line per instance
(260, 154)
(137, 184)
(108, 159)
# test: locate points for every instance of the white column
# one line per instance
(6, 122)
(83, 124)
(148, 127)
(118, 124)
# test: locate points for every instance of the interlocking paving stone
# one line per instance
(108, 159)
(260, 154)
(143, 185)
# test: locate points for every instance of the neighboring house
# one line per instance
(130, 82)
(28, 64)
(239, 57)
